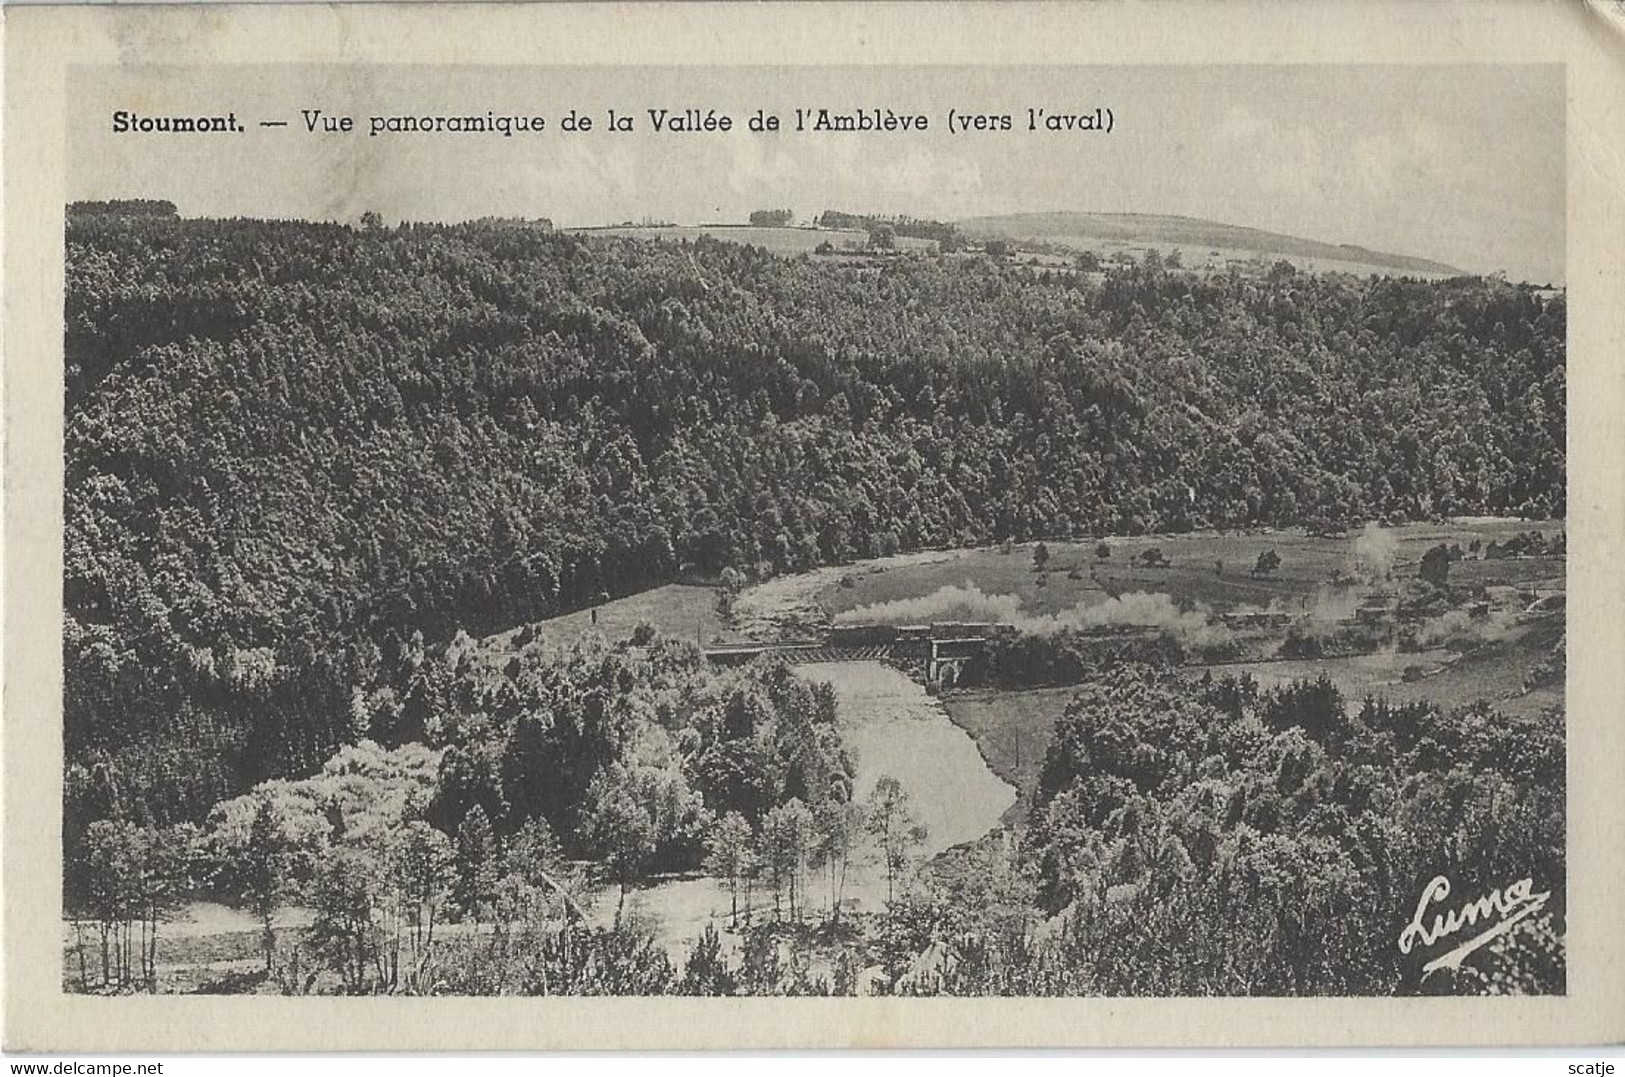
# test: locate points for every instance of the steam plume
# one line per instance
(1374, 553)
(970, 603)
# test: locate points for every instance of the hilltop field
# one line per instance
(1053, 241)
(788, 240)
(1197, 242)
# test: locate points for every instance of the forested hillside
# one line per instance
(295, 452)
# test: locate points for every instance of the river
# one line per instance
(896, 729)
(893, 729)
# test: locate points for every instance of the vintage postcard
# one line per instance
(821, 526)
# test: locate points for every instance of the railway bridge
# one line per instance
(943, 649)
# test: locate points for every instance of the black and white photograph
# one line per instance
(886, 531)
(787, 527)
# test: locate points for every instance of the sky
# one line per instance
(1461, 164)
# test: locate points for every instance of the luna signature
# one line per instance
(1498, 909)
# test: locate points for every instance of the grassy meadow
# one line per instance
(1209, 568)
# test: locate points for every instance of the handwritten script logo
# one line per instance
(1495, 912)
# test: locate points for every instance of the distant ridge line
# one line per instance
(1081, 229)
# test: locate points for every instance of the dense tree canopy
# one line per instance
(1277, 837)
(296, 451)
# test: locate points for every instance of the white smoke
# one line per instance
(949, 603)
(1328, 604)
(1462, 628)
(1374, 554)
(1137, 609)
